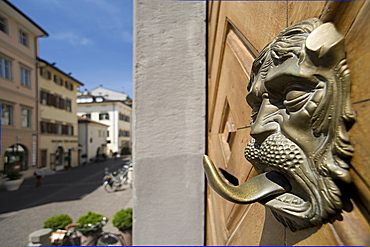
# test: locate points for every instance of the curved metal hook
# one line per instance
(253, 190)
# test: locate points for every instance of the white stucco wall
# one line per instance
(169, 122)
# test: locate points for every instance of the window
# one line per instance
(65, 129)
(87, 115)
(3, 24)
(23, 37)
(123, 117)
(26, 118)
(58, 80)
(47, 127)
(68, 105)
(62, 104)
(124, 133)
(70, 130)
(44, 97)
(103, 116)
(59, 129)
(56, 128)
(5, 68)
(25, 77)
(57, 101)
(45, 74)
(6, 114)
(68, 85)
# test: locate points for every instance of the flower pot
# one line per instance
(89, 239)
(126, 236)
(12, 185)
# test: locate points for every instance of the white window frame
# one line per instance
(5, 68)
(23, 37)
(25, 76)
(9, 119)
(26, 117)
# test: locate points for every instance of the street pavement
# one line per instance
(73, 192)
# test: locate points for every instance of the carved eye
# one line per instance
(296, 99)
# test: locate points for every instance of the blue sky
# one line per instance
(92, 39)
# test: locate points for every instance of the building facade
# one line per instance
(18, 88)
(114, 113)
(58, 117)
(92, 138)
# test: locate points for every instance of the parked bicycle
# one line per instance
(72, 236)
(114, 180)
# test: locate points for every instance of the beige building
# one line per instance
(18, 88)
(58, 117)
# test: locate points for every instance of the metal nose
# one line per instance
(265, 124)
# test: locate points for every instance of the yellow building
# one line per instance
(58, 117)
(18, 88)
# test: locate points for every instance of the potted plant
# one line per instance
(123, 221)
(58, 222)
(90, 225)
(13, 179)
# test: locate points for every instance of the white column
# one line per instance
(169, 122)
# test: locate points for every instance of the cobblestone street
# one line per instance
(73, 192)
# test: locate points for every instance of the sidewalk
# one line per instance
(73, 192)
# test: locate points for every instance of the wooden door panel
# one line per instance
(254, 226)
(252, 19)
(229, 131)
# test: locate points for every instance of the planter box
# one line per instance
(90, 239)
(126, 235)
(12, 185)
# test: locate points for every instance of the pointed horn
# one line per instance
(253, 190)
(325, 46)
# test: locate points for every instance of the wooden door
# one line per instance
(237, 31)
(43, 158)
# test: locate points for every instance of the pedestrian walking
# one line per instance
(39, 173)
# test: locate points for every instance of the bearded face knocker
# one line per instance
(299, 92)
